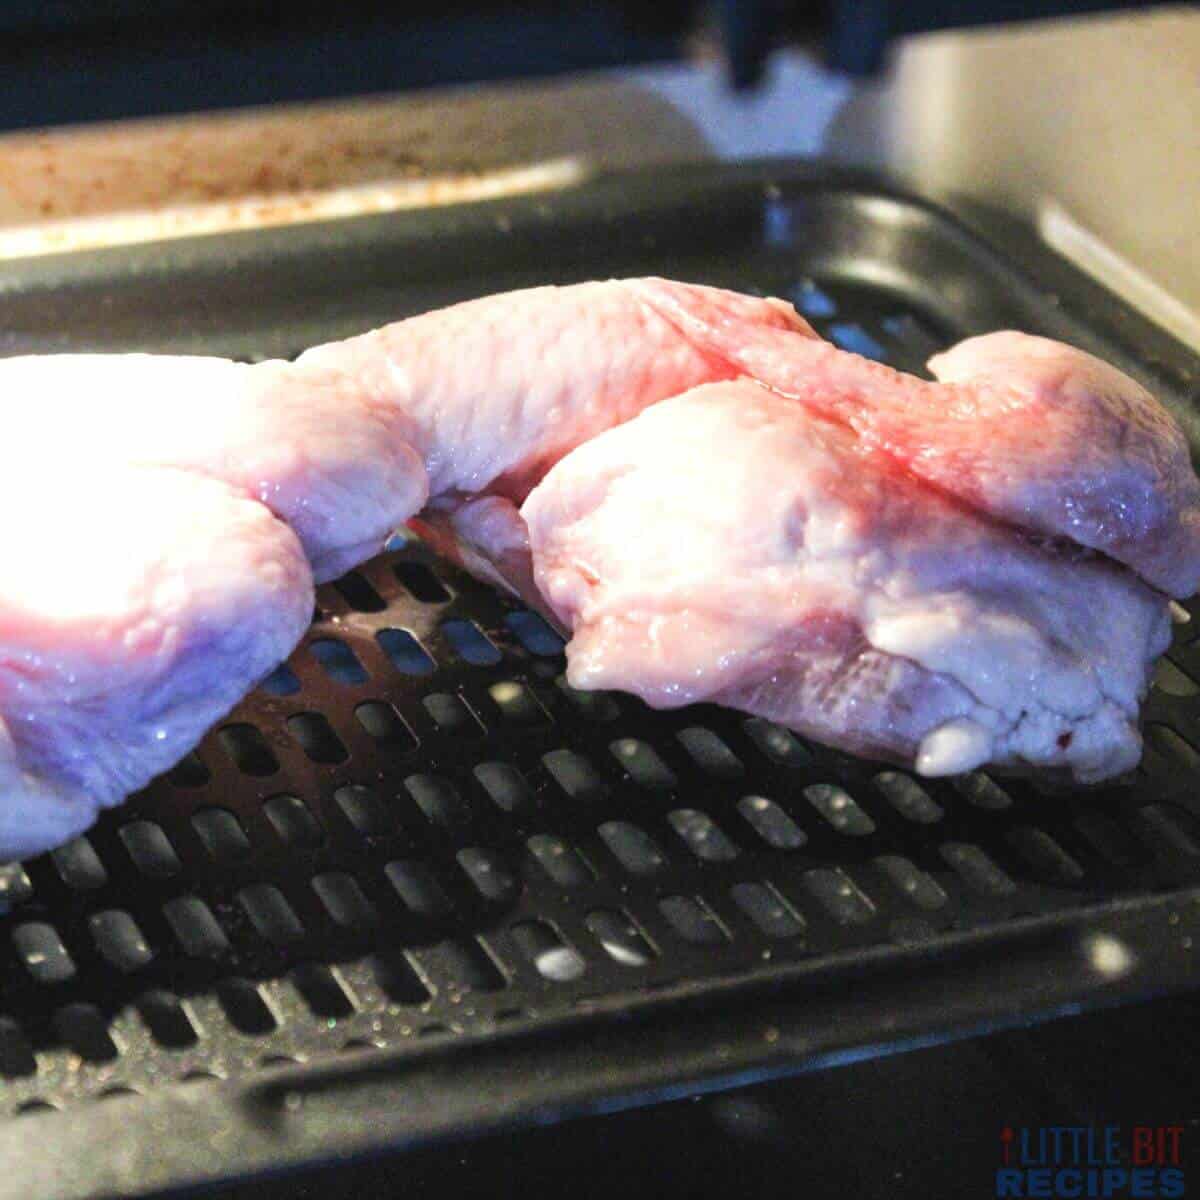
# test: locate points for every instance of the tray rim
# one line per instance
(596, 1062)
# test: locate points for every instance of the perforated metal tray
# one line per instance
(416, 887)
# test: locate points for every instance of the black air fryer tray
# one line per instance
(417, 887)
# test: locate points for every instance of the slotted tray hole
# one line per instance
(470, 643)
(1168, 827)
(489, 873)
(359, 594)
(780, 745)
(1178, 751)
(293, 822)
(702, 835)
(196, 929)
(120, 940)
(575, 776)
(506, 786)
(534, 634)
(270, 913)
(767, 909)
(83, 1029)
(452, 716)
(16, 1054)
(406, 654)
(909, 798)
(977, 869)
(841, 897)
(633, 847)
(421, 583)
(849, 335)
(560, 860)
(166, 1019)
(620, 937)
(366, 810)
(15, 886)
(643, 764)
(248, 749)
(419, 889)
(42, 952)
(317, 738)
(911, 882)
(79, 866)
(440, 801)
(465, 965)
(710, 753)
(593, 706)
(395, 975)
(693, 920)
(1045, 856)
(517, 704)
(911, 332)
(548, 952)
(221, 834)
(1111, 840)
(400, 540)
(321, 991)
(338, 661)
(840, 809)
(281, 682)
(771, 823)
(385, 725)
(982, 791)
(812, 301)
(345, 901)
(150, 849)
(244, 1007)
(1172, 681)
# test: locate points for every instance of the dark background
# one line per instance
(83, 60)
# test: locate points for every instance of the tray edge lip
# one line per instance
(270, 1138)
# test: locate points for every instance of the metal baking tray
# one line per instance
(416, 888)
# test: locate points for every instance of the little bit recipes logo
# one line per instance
(1111, 1162)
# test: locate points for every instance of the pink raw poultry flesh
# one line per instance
(213, 482)
(1026, 429)
(965, 524)
(126, 628)
(801, 575)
